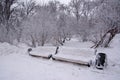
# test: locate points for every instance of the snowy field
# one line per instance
(16, 64)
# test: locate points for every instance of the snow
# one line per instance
(6, 49)
(43, 51)
(77, 44)
(76, 55)
(16, 64)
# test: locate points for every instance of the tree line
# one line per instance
(97, 21)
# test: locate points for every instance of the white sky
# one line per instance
(45, 1)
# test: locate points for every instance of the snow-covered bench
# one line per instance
(74, 55)
(45, 52)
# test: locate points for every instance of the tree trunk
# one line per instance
(112, 33)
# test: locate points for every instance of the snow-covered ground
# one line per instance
(16, 64)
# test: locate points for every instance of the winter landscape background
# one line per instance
(89, 24)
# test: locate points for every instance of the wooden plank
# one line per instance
(47, 57)
(44, 52)
(70, 60)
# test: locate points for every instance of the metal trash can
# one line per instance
(101, 61)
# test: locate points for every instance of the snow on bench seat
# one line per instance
(74, 55)
(44, 52)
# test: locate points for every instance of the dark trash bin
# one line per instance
(101, 61)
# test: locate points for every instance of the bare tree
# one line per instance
(39, 27)
(110, 18)
(83, 12)
(25, 10)
(76, 7)
(5, 18)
